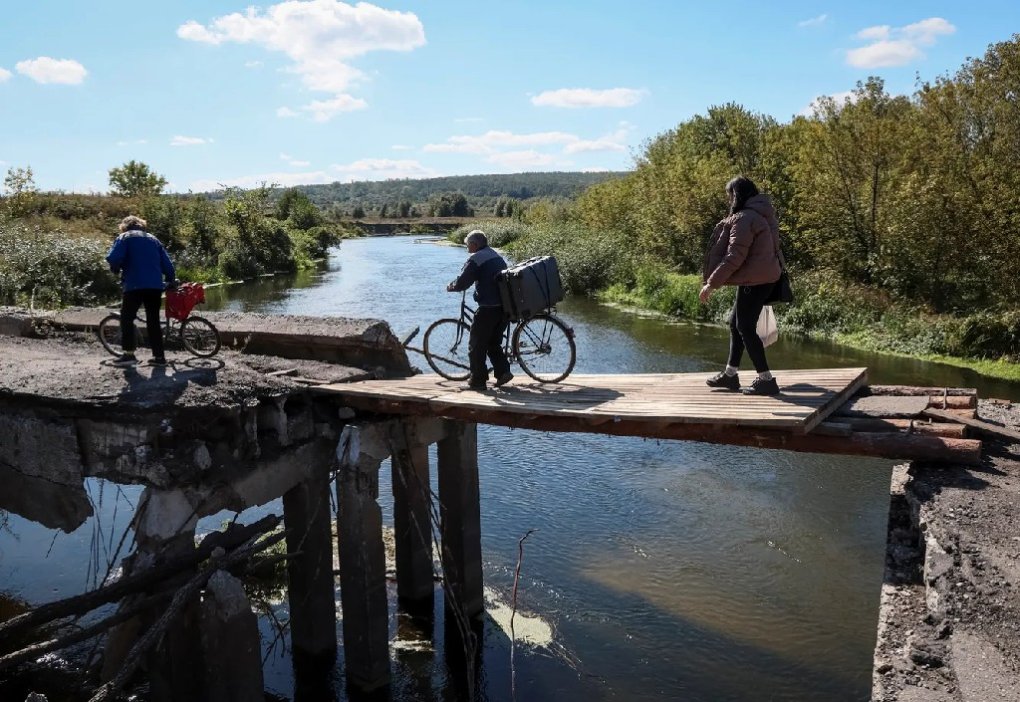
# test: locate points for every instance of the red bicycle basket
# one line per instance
(181, 301)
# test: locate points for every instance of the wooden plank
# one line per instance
(808, 397)
(984, 427)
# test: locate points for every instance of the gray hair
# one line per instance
(477, 236)
(132, 222)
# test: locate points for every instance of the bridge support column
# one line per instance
(310, 572)
(460, 517)
(360, 451)
(412, 523)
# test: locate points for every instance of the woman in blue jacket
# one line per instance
(144, 267)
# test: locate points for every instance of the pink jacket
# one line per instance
(745, 245)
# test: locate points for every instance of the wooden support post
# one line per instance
(460, 516)
(310, 589)
(412, 523)
(362, 557)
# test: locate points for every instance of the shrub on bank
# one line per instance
(499, 232)
(49, 269)
(659, 289)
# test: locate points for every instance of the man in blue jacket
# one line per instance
(490, 322)
(144, 266)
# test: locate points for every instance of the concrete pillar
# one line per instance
(460, 516)
(311, 590)
(412, 526)
(362, 557)
(230, 642)
(164, 527)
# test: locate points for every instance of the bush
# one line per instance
(499, 232)
(49, 269)
(659, 289)
(588, 261)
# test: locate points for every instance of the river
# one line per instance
(665, 570)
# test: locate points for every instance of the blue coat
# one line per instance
(141, 260)
(481, 268)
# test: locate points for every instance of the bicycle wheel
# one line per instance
(446, 348)
(200, 337)
(109, 334)
(544, 347)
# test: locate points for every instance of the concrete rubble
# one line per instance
(949, 620)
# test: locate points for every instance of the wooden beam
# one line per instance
(911, 426)
(983, 427)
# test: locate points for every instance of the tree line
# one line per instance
(911, 196)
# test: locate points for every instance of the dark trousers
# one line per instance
(487, 340)
(133, 299)
(744, 326)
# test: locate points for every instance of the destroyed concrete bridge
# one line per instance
(296, 402)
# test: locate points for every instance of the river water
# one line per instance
(664, 570)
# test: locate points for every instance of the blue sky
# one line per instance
(214, 92)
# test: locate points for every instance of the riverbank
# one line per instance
(822, 314)
(949, 618)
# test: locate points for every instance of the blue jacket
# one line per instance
(141, 260)
(481, 269)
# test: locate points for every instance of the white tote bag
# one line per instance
(768, 331)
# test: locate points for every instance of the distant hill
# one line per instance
(481, 190)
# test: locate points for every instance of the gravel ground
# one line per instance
(949, 625)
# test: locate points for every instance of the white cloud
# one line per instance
(320, 37)
(840, 99)
(325, 110)
(4, 75)
(283, 179)
(402, 147)
(132, 142)
(287, 112)
(814, 21)
(382, 169)
(467, 120)
(295, 163)
(521, 159)
(586, 97)
(253, 64)
(897, 46)
(876, 33)
(49, 70)
(189, 141)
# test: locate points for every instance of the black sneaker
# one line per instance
(762, 387)
(157, 362)
(504, 379)
(475, 387)
(125, 359)
(726, 382)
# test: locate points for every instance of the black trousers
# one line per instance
(744, 326)
(487, 340)
(133, 299)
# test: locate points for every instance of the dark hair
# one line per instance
(743, 189)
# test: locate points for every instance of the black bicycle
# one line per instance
(542, 345)
(198, 334)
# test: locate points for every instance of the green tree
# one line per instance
(136, 179)
(358, 212)
(19, 185)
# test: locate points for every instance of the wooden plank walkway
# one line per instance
(645, 403)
